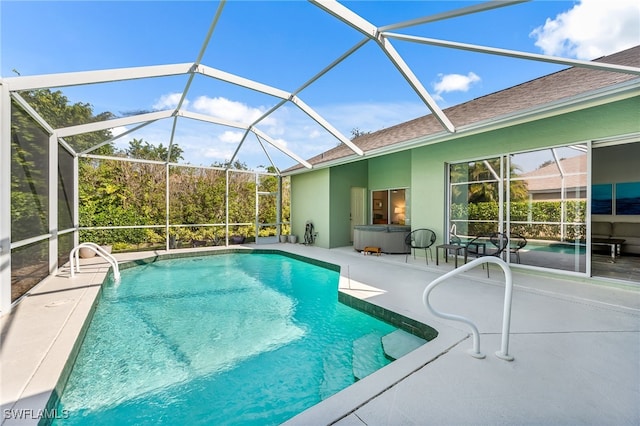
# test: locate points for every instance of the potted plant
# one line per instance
(284, 238)
(236, 239)
(293, 239)
(86, 252)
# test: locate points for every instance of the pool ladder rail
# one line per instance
(74, 259)
(503, 353)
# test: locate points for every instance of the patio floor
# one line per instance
(576, 344)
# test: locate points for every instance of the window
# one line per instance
(540, 195)
(389, 207)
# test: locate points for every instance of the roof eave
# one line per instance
(609, 94)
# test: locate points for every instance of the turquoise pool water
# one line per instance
(554, 247)
(224, 339)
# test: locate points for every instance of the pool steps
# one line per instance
(399, 343)
(372, 352)
(367, 356)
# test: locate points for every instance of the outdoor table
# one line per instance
(456, 249)
(614, 243)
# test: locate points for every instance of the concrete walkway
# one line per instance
(576, 345)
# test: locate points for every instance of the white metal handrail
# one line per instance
(74, 258)
(503, 353)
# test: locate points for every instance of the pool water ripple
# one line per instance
(225, 339)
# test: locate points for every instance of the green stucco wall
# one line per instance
(310, 201)
(323, 196)
(428, 163)
(343, 178)
(390, 171)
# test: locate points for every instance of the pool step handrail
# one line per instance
(503, 353)
(74, 258)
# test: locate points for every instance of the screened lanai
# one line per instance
(165, 147)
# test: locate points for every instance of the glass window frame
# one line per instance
(382, 201)
(575, 232)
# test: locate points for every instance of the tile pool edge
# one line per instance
(167, 256)
(61, 383)
(397, 320)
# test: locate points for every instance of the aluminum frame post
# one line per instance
(53, 204)
(5, 200)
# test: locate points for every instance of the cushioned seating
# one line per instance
(627, 231)
(390, 238)
(601, 229)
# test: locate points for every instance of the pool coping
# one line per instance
(54, 368)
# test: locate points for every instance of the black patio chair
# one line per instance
(518, 241)
(491, 245)
(420, 239)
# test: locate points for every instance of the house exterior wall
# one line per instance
(390, 171)
(343, 178)
(310, 201)
(423, 169)
(428, 183)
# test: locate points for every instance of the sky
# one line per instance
(283, 44)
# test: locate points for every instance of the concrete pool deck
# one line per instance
(576, 344)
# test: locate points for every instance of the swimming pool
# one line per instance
(231, 338)
(554, 247)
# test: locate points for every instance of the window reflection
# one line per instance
(389, 207)
(475, 197)
(543, 198)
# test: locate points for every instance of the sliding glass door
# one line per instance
(537, 196)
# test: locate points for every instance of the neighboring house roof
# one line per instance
(549, 179)
(537, 93)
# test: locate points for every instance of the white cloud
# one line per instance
(218, 154)
(230, 137)
(281, 142)
(455, 83)
(592, 28)
(231, 110)
(206, 143)
(314, 133)
(117, 131)
(169, 101)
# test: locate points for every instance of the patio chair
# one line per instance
(420, 239)
(518, 241)
(498, 240)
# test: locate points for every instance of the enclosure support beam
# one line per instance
(279, 206)
(76, 200)
(5, 200)
(166, 202)
(360, 24)
(226, 207)
(53, 204)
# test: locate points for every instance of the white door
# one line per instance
(358, 214)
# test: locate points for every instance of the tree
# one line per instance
(55, 108)
(356, 133)
(141, 149)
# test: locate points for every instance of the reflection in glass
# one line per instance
(545, 201)
(389, 207)
(475, 197)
